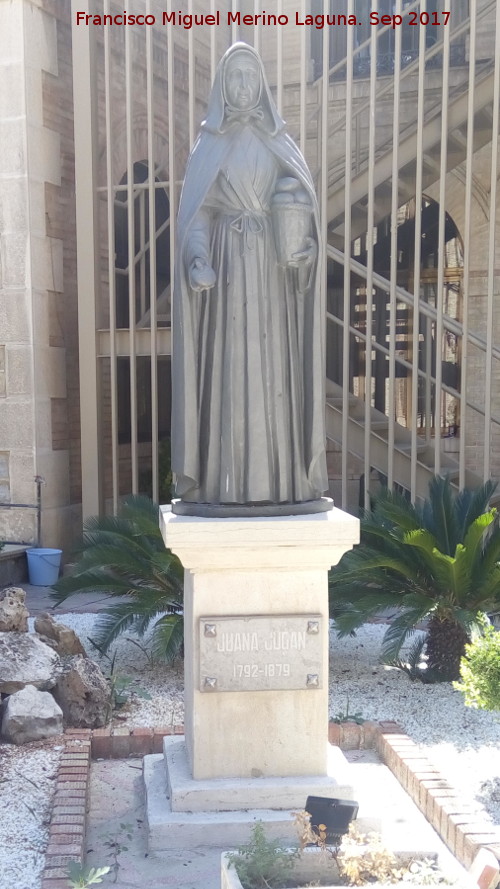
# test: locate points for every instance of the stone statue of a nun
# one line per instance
(248, 433)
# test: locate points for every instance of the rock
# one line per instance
(13, 612)
(30, 715)
(61, 638)
(83, 694)
(26, 660)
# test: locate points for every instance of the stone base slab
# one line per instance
(230, 794)
(169, 831)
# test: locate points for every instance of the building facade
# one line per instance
(395, 106)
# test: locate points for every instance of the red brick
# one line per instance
(436, 799)
(158, 735)
(64, 838)
(66, 810)
(427, 793)
(466, 830)
(120, 742)
(101, 745)
(102, 732)
(50, 883)
(350, 736)
(80, 733)
(57, 873)
(64, 849)
(473, 840)
(141, 741)
(65, 833)
(68, 821)
(70, 783)
(389, 727)
(72, 760)
(178, 729)
(74, 768)
(77, 746)
(334, 733)
(63, 797)
(370, 732)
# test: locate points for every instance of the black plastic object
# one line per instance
(335, 814)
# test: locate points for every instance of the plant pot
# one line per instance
(312, 866)
(315, 866)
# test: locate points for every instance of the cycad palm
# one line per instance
(437, 563)
(125, 556)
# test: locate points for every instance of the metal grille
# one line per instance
(399, 124)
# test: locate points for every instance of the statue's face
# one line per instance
(242, 81)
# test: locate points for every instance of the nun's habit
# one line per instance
(247, 364)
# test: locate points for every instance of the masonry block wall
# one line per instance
(35, 223)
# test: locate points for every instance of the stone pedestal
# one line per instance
(257, 567)
(256, 667)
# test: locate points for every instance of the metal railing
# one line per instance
(380, 128)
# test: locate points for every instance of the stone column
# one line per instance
(256, 640)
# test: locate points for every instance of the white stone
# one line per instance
(13, 612)
(313, 541)
(61, 638)
(83, 693)
(25, 660)
(169, 831)
(228, 794)
(30, 715)
(256, 566)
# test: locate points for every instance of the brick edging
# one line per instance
(459, 825)
(69, 809)
(463, 827)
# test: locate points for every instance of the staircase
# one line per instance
(407, 459)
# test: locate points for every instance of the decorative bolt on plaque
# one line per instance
(210, 630)
(210, 683)
(312, 680)
(313, 627)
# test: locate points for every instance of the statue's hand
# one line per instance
(201, 275)
(308, 255)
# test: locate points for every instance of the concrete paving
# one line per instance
(116, 831)
(38, 599)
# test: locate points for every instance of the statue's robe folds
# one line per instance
(248, 359)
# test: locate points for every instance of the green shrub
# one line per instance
(480, 671)
(437, 563)
(262, 862)
(124, 556)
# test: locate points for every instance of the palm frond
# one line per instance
(412, 665)
(441, 518)
(471, 503)
(394, 510)
(167, 637)
(398, 631)
(124, 556)
(114, 621)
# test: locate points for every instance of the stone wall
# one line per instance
(38, 398)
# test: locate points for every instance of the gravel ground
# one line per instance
(26, 787)
(464, 743)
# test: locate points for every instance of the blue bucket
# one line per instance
(43, 566)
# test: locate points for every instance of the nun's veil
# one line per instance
(216, 121)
